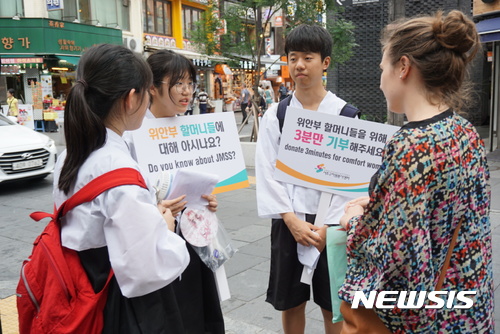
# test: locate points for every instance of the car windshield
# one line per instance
(5, 121)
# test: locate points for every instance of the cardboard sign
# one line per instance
(333, 154)
(208, 143)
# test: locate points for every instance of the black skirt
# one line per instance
(197, 298)
(154, 313)
(285, 290)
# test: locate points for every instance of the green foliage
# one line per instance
(245, 22)
(342, 32)
(205, 31)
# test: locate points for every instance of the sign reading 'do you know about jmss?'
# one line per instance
(330, 153)
(209, 143)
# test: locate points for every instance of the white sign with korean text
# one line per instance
(333, 154)
(208, 143)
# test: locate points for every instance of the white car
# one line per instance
(24, 153)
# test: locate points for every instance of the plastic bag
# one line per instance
(208, 237)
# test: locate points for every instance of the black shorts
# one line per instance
(285, 290)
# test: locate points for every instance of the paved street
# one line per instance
(246, 312)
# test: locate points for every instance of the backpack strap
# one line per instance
(282, 105)
(114, 178)
(348, 111)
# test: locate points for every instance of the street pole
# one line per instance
(396, 11)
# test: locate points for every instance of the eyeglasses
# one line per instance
(180, 87)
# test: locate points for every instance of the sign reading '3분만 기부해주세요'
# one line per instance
(330, 153)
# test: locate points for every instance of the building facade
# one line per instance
(487, 15)
(357, 81)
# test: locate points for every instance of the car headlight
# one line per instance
(51, 144)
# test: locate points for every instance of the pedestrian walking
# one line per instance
(12, 103)
(203, 100)
(268, 94)
(433, 182)
(283, 91)
(190, 107)
(245, 99)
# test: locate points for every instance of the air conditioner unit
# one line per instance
(134, 44)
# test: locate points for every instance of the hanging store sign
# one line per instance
(278, 21)
(202, 62)
(55, 4)
(9, 61)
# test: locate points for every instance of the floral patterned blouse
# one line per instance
(433, 173)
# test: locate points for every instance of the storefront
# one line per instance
(39, 56)
(487, 14)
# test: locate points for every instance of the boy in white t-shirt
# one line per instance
(293, 208)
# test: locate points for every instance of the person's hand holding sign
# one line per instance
(355, 207)
(212, 202)
(175, 205)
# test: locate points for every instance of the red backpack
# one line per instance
(54, 294)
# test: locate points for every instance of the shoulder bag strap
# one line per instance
(114, 178)
(446, 264)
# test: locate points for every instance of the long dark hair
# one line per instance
(106, 74)
(173, 65)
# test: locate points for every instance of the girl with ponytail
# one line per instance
(122, 229)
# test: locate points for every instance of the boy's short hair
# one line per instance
(309, 38)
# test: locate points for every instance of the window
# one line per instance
(157, 17)
(9, 8)
(190, 15)
(109, 13)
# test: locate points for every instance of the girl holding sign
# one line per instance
(174, 82)
(433, 182)
(122, 229)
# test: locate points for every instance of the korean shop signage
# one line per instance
(46, 36)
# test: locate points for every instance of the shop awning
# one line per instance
(489, 30)
(272, 61)
(69, 59)
(189, 54)
(264, 60)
